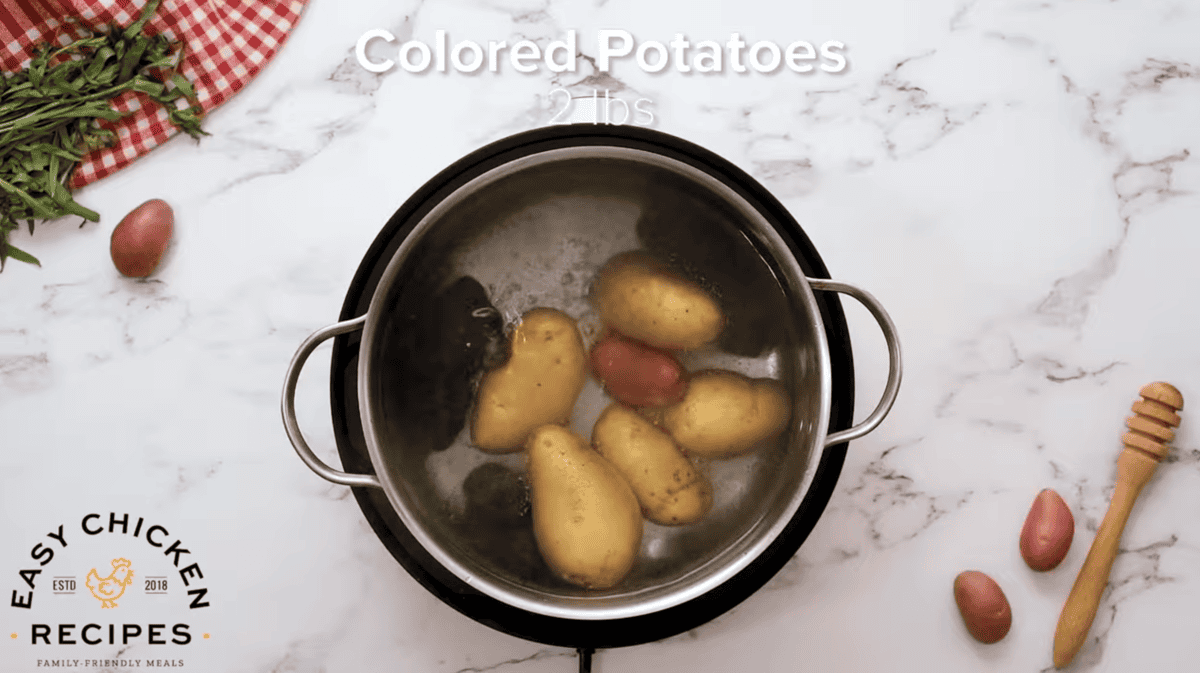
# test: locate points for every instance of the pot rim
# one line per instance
(727, 563)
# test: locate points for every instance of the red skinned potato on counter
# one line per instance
(545, 372)
(1048, 531)
(725, 414)
(140, 240)
(641, 298)
(984, 608)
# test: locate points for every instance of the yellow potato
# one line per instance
(538, 385)
(725, 414)
(586, 519)
(669, 487)
(640, 298)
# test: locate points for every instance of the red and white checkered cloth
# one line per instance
(227, 43)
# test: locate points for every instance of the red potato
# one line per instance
(140, 240)
(637, 374)
(985, 611)
(1049, 528)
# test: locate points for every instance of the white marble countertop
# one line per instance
(1016, 182)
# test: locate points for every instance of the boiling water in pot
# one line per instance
(536, 238)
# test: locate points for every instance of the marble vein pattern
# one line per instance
(1015, 181)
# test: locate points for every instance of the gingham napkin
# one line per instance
(227, 43)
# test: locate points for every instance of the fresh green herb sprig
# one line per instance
(49, 117)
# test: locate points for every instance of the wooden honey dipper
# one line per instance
(1145, 445)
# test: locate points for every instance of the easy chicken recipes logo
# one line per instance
(80, 588)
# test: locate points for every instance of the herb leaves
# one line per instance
(49, 114)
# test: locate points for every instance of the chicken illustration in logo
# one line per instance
(108, 589)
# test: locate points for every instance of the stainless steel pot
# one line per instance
(532, 220)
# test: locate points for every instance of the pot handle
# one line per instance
(894, 367)
(289, 406)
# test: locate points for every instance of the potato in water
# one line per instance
(637, 374)
(586, 519)
(640, 298)
(669, 487)
(538, 384)
(725, 414)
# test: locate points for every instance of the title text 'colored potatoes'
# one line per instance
(640, 298)
(545, 371)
